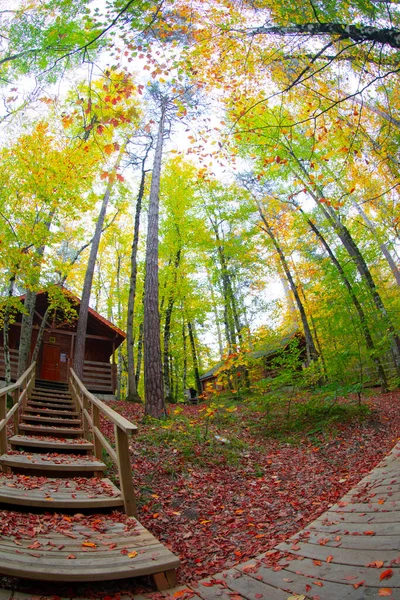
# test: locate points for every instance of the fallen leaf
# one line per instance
(376, 563)
(385, 592)
(358, 584)
(329, 558)
(71, 556)
(132, 554)
(386, 574)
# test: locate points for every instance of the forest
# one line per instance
(220, 181)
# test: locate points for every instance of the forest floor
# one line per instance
(217, 488)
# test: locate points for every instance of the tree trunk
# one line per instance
(352, 249)
(195, 359)
(139, 355)
(26, 331)
(80, 340)
(6, 330)
(167, 331)
(385, 250)
(312, 354)
(215, 309)
(184, 346)
(40, 334)
(153, 376)
(356, 303)
(133, 395)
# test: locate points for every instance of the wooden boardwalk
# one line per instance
(351, 552)
(53, 472)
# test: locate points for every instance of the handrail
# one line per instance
(20, 397)
(91, 408)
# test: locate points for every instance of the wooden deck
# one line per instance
(53, 463)
(351, 552)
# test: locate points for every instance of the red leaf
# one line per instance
(329, 558)
(358, 584)
(385, 592)
(386, 574)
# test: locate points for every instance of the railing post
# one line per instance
(16, 415)
(85, 406)
(124, 471)
(98, 448)
(3, 432)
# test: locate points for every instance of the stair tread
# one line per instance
(120, 550)
(50, 405)
(58, 431)
(59, 493)
(50, 411)
(44, 419)
(52, 461)
(50, 442)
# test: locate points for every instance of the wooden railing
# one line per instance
(91, 408)
(19, 392)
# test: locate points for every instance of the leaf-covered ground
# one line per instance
(216, 492)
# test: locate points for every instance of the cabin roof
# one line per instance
(97, 321)
(268, 350)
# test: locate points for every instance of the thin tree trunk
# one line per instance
(6, 331)
(80, 340)
(26, 331)
(385, 250)
(312, 354)
(40, 334)
(356, 303)
(133, 395)
(352, 249)
(119, 351)
(167, 330)
(184, 347)
(139, 355)
(215, 309)
(153, 376)
(194, 359)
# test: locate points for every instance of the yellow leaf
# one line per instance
(132, 554)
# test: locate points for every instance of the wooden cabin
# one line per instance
(263, 363)
(56, 351)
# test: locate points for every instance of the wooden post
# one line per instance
(3, 432)
(124, 471)
(85, 405)
(98, 448)
(16, 415)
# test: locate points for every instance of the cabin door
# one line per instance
(50, 363)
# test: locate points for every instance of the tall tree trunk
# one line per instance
(139, 355)
(153, 376)
(167, 330)
(384, 249)
(26, 331)
(184, 347)
(216, 314)
(133, 395)
(353, 251)
(312, 354)
(194, 358)
(6, 331)
(356, 303)
(80, 340)
(30, 305)
(119, 351)
(39, 338)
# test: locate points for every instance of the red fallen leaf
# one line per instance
(323, 541)
(376, 563)
(259, 596)
(36, 544)
(317, 563)
(358, 584)
(369, 532)
(318, 583)
(329, 558)
(385, 592)
(308, 587)
(235, 596)
(207, 583)
(71, 556)
(386, 574)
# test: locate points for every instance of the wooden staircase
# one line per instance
(52, 462)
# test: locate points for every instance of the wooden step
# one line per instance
(49, 420)
(52, 462)
(56, 494)
(52, 399)
(50, 405)
(117, 552)
(48, 430)
(49, 443)
(50, 411)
